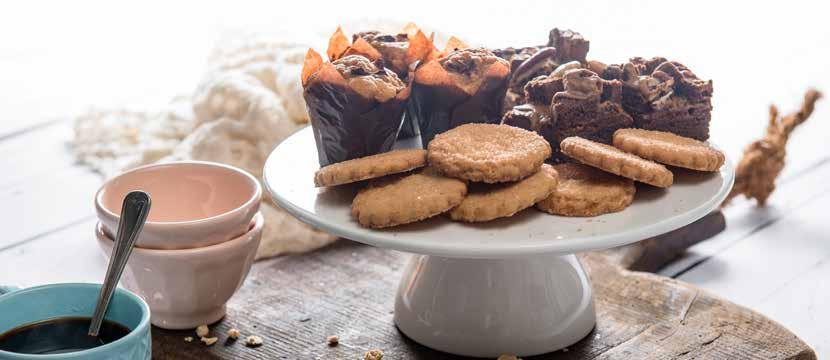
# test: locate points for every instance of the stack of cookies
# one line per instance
(481, 172)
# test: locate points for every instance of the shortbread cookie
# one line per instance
(486, 202)
(586, 191)
(488, 153)
(370, 167)
(400, 200)
(669, 149)
(616, 161)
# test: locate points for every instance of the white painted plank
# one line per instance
(744, 217)
(802, 306)
(765, 262)
(68, 255)
(39, 152)
(46, 203)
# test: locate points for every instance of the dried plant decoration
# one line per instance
(764, 159)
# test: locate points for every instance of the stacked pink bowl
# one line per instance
(199, 240)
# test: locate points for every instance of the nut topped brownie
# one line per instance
(530, 62)
(664, 95)
(570, 45)
(571, 101)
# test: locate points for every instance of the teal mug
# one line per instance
(25, 306)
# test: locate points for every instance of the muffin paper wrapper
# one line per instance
(439, 104)
(345, 124)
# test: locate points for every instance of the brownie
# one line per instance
(528, 63)
(516, 57)
(540, 90)
(664, 95)
(527, 116)
(570, 45)
(589, 107)
(578, 103)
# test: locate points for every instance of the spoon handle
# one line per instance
(134, 212)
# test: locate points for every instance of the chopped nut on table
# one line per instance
(253, 341)
(508, 357)
(202, 330)
(209, 340)
(375, 354)
(234, 334)
(188, 339)
(333, 340)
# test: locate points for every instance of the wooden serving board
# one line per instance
(348, 289)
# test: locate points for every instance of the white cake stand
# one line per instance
(511, 286)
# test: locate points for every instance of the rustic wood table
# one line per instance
(775, 260)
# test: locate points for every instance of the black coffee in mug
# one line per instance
(60, 335)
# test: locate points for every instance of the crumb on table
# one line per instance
(374, 354)
(253, 341)
(333, 340)
(209, 340)
(234, 334)
(202, 331)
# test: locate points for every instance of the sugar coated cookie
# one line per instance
(370, 167)
(586, 191)
(488, 153)
(616, 161)
(486, 202)
(403, 199)
(670, 149)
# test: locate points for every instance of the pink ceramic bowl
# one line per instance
(194, 203)
(189, 287)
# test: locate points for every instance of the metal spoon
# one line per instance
(134, 212)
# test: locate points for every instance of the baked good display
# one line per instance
(401, 200)
(603, 126)
(664, 95)
(670, 149)
(586, 191)
(463, 86)
(355, 106)
(485, 202)
(616, 161)
(571, 101)
(488, 153)
(370, 167)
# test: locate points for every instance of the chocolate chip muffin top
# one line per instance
(369, 79)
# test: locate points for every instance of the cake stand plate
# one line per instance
(510, 286)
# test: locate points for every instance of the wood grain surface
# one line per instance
(348, 290)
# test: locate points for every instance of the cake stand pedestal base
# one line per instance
(488, 307)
